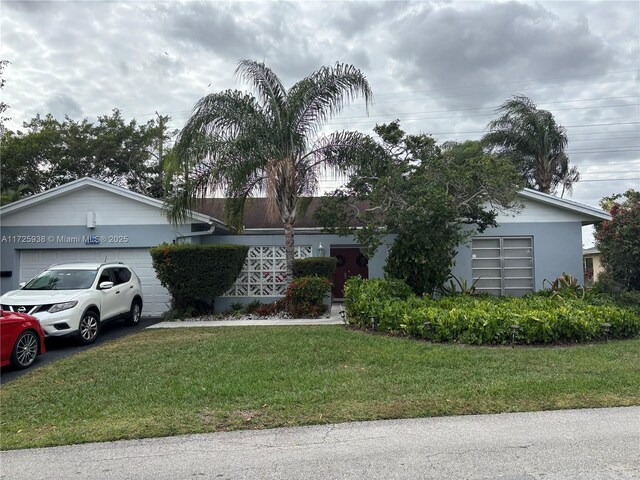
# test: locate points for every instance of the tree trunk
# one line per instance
(289, 247)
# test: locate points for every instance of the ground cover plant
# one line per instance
(486, 319)
(179, 381)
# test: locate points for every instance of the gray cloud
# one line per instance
(495, 43)
(440, 67)
(62, 104)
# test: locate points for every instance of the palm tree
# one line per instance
(14, 194)
(270, 144)
(535, 143)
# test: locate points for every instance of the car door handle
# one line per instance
(130, 286)
(117, 291)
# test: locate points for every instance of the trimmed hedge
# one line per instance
(314, 267)
(484, 320)
(195, 272)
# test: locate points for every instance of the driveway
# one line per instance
(568, 444)
(58, 348)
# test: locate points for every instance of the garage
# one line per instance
(156, 297)
(91, 221)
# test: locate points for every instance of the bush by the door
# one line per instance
(314, 267)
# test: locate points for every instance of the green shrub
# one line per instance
(252, 306)
(314, 267)
(305, 297)
(195, 272)
(487, 320)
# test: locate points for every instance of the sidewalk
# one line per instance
(333, 319)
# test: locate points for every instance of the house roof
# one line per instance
(591, 251)
(589, 215)
(255, 217)
(85, 182)
(255, 213)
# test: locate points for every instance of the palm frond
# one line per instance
(268, 86)
(314, 99)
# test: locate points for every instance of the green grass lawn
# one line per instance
(168, 382)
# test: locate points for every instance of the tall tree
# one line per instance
(53, 152)
(269, 144)
(431, 197)
(3, 105)
(535, 143)
(619, 239)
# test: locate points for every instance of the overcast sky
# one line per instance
(439, 67)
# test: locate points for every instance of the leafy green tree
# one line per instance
(269, 144)
(431, 197)
(3, 105)
(619, 239)
(535, 143)
(52, 152)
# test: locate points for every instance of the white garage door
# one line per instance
(156, 297)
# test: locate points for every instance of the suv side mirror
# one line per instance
(22, 284)
(105, 285)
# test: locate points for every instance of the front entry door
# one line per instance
(350, 262)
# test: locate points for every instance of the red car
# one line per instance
(21, 339)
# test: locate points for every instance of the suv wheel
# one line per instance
(88, 328)
(133, 318)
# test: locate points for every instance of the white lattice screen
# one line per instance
(264, 272)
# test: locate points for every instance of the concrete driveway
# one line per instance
(569, 444)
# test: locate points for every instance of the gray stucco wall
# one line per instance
(376, 263)
(557, 248)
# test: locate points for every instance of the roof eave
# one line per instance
(589, 215)
(87, 181)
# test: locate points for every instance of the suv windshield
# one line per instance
(62, 280)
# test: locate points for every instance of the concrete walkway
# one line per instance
(567, 444)
(333, 319)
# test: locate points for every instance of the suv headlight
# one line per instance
(58, 307)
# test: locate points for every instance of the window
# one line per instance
(121, 275)
(264, 272)
(588, 269)
(503, 266)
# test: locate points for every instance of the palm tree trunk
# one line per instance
(289, 248)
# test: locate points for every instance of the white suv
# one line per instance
(75, 298)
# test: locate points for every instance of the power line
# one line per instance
(488, 114)
(610, 179)
(510, 83)
(631, 162)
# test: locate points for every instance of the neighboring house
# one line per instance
(592, 265)
(88, 220)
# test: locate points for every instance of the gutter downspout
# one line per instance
(212, 228)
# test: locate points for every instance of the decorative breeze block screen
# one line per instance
(264, 273)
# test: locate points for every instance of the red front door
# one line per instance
(350, 262)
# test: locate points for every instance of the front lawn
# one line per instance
(168, 382)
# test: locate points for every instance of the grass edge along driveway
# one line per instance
(170, 382)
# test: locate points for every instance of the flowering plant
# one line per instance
(305, 296)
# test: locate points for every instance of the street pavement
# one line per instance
(568, 444)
